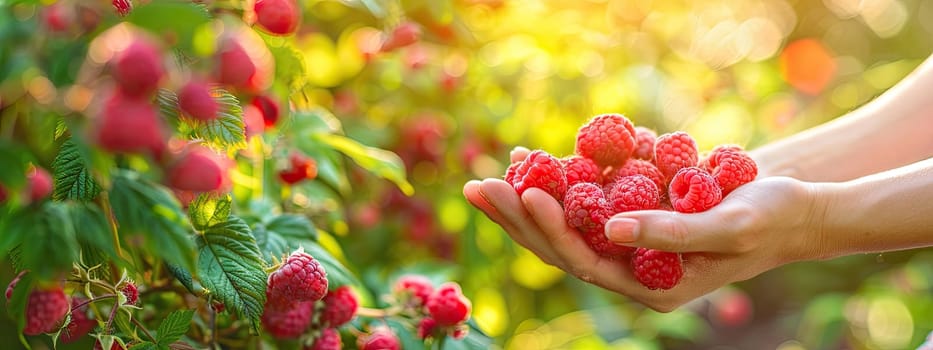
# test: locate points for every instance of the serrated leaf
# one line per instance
(383, 163)
(144, 346)
(174, 326)
(271, 244)
(231, 267)
(337, 274)
(209, 209)
(176, 18)
(293, 226)
(185, 278)
(149, 209)
(73, 180)
(290, 66)
(282, 234)
(227, 132)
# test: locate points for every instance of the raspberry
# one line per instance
(579, 169)
(426, 327)
(644, 143)
(405, 34)
(235, 66)
(636, 192)
(3, 194)
(123, 7)
(413, 289)
(379, 338)
(301, 168)
(607, 139)
(693, 190)
(80, 323)
(300, 278)
(270, 109)
(196, 100)
(460, 332)
(586, 207)
(57, 17)
(39, 183)
(197, 170)
(129, 125)
(45, 310)
(13, 283)
(339, 307)
(541, 170)
(598, 242)
(448, 306)
(131, 293)
(328, 340)
(252, 120)
(657, 269)
(673, 152)
(280, 17)
(138, 68)
(639, 167)
(289, 322)
(730, 166)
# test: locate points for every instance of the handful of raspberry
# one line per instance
(618, 167)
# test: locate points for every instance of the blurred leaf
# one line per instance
(337, 274)
(176, 18)
(16, 305)
(93, 230)
(679, 324)
(73, 180)
(376, 7)
(474, 340)
(231, 267)
(381, 162)
(289, 66)
(149, 209)
(280, 235)
(174, 326)
(407, 338)
(14, 159)
(209, 209)
(45, 237)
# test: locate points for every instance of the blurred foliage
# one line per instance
(491, 74)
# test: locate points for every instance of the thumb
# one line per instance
(710, 231)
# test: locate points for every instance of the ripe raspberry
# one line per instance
(673, 152)
(289, 322)
(448, 306)
(598, 242)
(13, 283)
(405, 34)
(301, 168)
(138, 68)
(131, 293)
(197, 170)
(644, 143)
(196, 100)
(607, 139)
(270, 109)
(123, 7)
(80, 324)
(693, 190)
(730, 166)
(541, 170)
(235, 66)
(328, 340)
(413, 289)
(586, 207)
(339, 307)
(379, 338)
(280, 17)
(636, 192)
(426, 327)
(579, 169)
(39, 183)
(300, 278)
(45, 310)
(129, 125)
(639, 167)
(657, 269)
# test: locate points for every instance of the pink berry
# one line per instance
(138, 68)
(195, 99)
(279, 17)
(448, 306)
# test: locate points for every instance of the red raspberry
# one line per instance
(598, 242)
(280, 17)
(123, 7)
(639, 167)
(328, 340)
(541, 170)
(271, 112)
(607, 139)
(39, 183)
(730, 166)
(586, 207)
(138, 68)
(694, 190)
(579, 169)
(636, 192)
(45, 310)
(405, 34)
(300, 278)
(301, 168)
(460, 332)
(13, 283)
(197, 170)
(130, 125)
(235, 66)
(673, 152)
(644, 143)
(58, 17)
(426, 327)
(448, 306)
(289, 322)
(413, 289)
(80, 324)
(3, 194)
(657, 269)
(196, 100)
(131, 293)
(339, 307)
(379, 338)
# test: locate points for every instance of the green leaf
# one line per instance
(374, 7)
(45, 238)
(227, 132)
(176, 18)
(13, 157)
(73, 180)
(407, 338)
(16, 305)
(144, 346)
(184, 277)
(174, 326)
(293, 227)
(280, 235)
(231, 267)
(148, 209)
(337, 274)
(92, 229)
(290, 66)
(475, 339)
(271, 244)
(378, 161)
(209, 209)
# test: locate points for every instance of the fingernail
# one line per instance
(622, 230)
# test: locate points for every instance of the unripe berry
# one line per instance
(280, 17)
(196, 100)
(131, 293)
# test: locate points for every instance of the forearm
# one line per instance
(893, 130)
(892, 210)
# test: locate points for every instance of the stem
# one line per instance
(441, 341)
(145, 331)
(378, 313)
(108, 210)
(113, 314)
(212, 338)
(102, 297)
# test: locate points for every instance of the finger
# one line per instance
(518, 154)
(471, 190)
(716, 230)
(515, 219)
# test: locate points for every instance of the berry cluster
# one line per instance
(439, 312)
(618, 167)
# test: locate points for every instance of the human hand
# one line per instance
(759, 226)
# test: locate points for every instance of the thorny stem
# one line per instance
(212, 338)
(113, 314)
(145, 331)
(99, 298)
